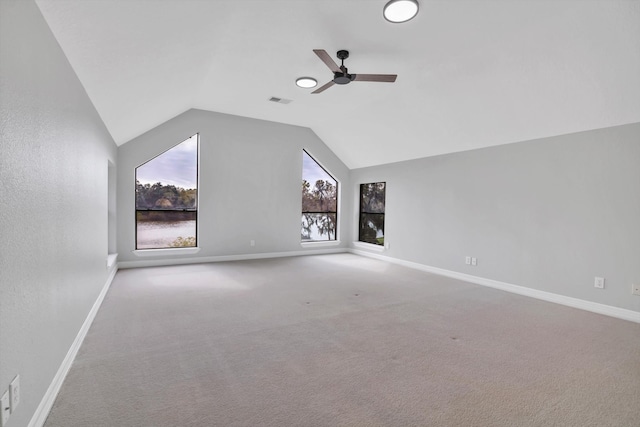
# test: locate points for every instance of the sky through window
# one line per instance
(177, 166)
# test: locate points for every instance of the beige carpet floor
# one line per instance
(343, 340)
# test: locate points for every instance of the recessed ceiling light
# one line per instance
(398, 11)
(306, 82)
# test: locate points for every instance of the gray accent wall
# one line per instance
(250, 176)
(548, 214)
(54, 158)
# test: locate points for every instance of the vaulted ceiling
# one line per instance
(471, 73)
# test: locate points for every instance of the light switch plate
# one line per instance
(14, 393)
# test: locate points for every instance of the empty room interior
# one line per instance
(319, 213)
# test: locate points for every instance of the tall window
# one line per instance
(319, 202)
(167, 198)
(372, 213)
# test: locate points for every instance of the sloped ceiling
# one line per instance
(471, 73)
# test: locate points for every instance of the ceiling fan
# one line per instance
(341, 75)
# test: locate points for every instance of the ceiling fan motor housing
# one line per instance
(343, 78)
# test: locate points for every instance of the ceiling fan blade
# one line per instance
(322, 54)
(323, 88)
(376, 78)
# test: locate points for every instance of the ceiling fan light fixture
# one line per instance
(398, 11)
(306, 82)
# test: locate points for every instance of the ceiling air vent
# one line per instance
(279, 100)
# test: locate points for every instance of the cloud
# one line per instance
(177, 166)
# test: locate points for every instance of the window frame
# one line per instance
(165, 250)
(336, 239)
(361, 214)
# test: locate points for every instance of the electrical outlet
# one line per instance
(387, 245)
(635, 289)
(467, 260)
(14, 393)
(252, 243)
(5, 409)
(474, 261)
(599, 282)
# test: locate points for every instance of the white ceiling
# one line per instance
(471, 73)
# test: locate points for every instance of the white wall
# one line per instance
(548, 214)
(250, 183)
(53, 223)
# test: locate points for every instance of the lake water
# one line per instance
(160, 234)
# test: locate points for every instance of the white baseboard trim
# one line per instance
(221, 258)
(608, 310)
(42, 412)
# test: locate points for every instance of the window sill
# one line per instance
(320, 244)
(165, 252)
(369, 246)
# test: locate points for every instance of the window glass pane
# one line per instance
(167, 198)
(318, 226)
(372, 200)
(157, 229)
(319, 202)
